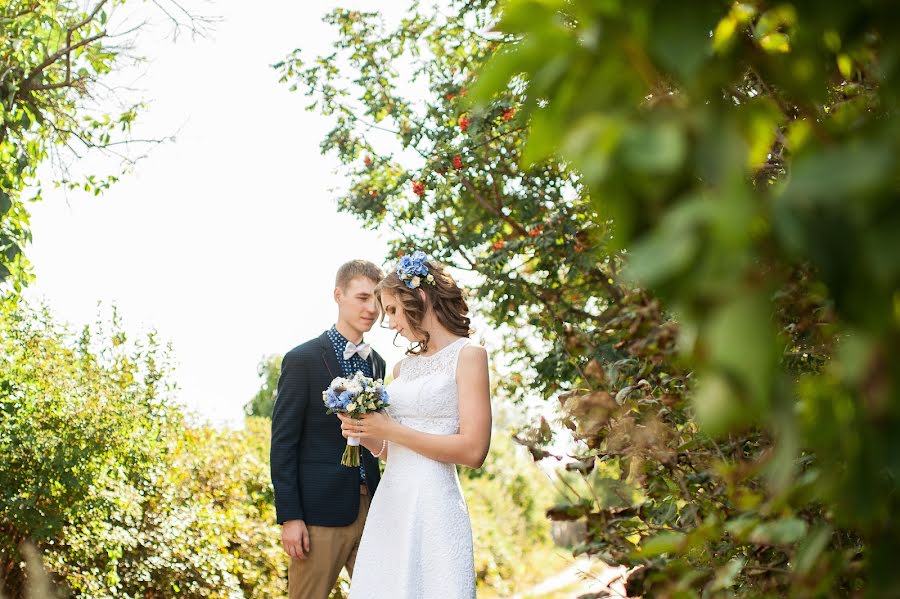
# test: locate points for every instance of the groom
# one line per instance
(320, 504)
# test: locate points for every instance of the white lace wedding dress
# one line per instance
(417, 542)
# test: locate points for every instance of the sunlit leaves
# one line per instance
(120, 490)
(741, 153)
(52, 55)
(747, 154)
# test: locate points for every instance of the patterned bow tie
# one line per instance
(363, 349)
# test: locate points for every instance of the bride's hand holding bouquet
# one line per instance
(354, 399)
(373, 425)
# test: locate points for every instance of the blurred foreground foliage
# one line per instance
(685, 224)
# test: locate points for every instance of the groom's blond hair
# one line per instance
(357, 268)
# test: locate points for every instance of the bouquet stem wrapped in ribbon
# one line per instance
(354, 396)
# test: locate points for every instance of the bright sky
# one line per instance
(226, 240)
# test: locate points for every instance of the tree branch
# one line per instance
(64, 51)
(57, 85)
(490, 208)
(28, 86)
(454, 241)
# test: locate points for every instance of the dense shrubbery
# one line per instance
(124, 494)
(262, 404)
(507, 498)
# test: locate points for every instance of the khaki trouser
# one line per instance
(330, 549)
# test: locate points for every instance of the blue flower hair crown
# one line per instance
(412, 270)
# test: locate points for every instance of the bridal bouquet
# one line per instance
(354, 396)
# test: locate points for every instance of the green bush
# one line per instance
(507, 498)
(121, 492)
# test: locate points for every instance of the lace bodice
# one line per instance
(424, 396)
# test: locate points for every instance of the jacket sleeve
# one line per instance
(287, 428)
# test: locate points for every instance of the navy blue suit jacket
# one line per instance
(310, 482)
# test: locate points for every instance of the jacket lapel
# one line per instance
(328, 355)
(376, 373)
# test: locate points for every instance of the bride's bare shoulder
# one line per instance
(472, 352)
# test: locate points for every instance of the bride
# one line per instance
(417, 542)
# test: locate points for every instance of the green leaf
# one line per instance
(662, 255)
(664, 542)
(542, 139)
(717, 406)
(726, 576)
(724, 34)
(522, 16)
(752, 360)
(5, 202)
(12, 251)
(680, 42)
(593, 141)
(725, 30)
(779, 532)
(839, 173)
(670, 249)
(762, 120)
(741, 527)
(781, 16)
(811, 548)
(654, 149)
(776, 43)
(497, 72)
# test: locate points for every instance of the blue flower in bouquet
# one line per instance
(413, 271)
(335, 400)
(347, 397)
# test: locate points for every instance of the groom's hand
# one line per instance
(295, 538)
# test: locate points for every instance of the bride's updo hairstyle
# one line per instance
(415, 273)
